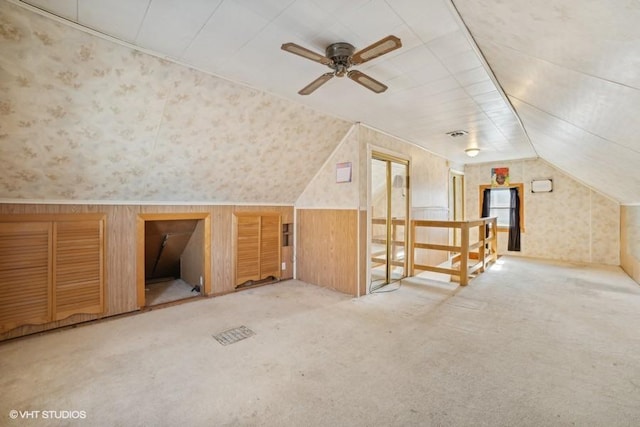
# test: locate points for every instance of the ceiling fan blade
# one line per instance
(366, 81)
(308, 89)
(379, 48)
(305, 53)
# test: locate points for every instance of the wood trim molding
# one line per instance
(140, 236)
(519, 186)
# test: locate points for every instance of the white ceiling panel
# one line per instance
(120, 19)
(339, 6)
(428, 19)
(460, 62)
(598, 37)
(371, 22)
(268, 9)
(593, 160)
(598, 106)
(170, 28)
(64, 9)
(449, 44)
(229, 29)
(305, 19)
(472, 76)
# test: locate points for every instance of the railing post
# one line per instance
(464, 259)
(494, 239)
(482, 235)
(412, 253)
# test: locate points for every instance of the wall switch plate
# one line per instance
(284, 266)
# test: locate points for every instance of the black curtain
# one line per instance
(486, 207)
(514, 221)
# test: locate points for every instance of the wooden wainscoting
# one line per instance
(51, 268)
(327, 248)
(120, 285)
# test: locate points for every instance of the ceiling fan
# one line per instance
(340, 57)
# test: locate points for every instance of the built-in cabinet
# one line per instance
(51, 267)
(257, 240)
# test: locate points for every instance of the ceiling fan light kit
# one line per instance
(340, 57)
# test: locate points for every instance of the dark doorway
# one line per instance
(173, 257)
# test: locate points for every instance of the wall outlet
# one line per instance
(201, 281)
(284, 266)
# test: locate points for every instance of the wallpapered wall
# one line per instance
(630, 240)
(429, 180)
(82, 118)
(571, 223)
(429, 173)
(323, 191)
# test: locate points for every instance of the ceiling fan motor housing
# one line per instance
(340, 55)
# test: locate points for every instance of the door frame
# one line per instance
(453, 174)
(388, 155)
(140, 238)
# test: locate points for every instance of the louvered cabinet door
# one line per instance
(78, 268)
(270, 246)
(247, 248)
(25, 279)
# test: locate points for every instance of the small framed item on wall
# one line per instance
(499, 177)
(343, 172)
(542, 185)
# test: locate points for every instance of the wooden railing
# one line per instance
(462, 264)
(397, 242)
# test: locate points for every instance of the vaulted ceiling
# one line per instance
(556, 79)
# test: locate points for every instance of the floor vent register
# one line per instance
(234, 335)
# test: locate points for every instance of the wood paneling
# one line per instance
(362, 254)
(222, 252)
(52, 267)
(287, 259)
(327, 248)
(247, 248)
(120, 291)
(270, 234)
(258, 237)
(25, 285)
(78, 267)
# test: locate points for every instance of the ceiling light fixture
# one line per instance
(472, 152)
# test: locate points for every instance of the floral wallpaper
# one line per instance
(429, 172)
(630, 240)
(323, 191)
(82, 118)
(429, 176)
(571, 223)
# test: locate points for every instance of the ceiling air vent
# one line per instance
(457, 133)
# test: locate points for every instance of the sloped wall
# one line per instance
(323, 190)
(429, 173)
(630, 240)
(343, 206)
(429, 183)
(571, 223)
(82, 118)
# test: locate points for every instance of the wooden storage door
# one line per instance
(270, 246)
(247, 248)
(78, 268)
(25, 277)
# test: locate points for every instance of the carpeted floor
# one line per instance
(529, 343)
